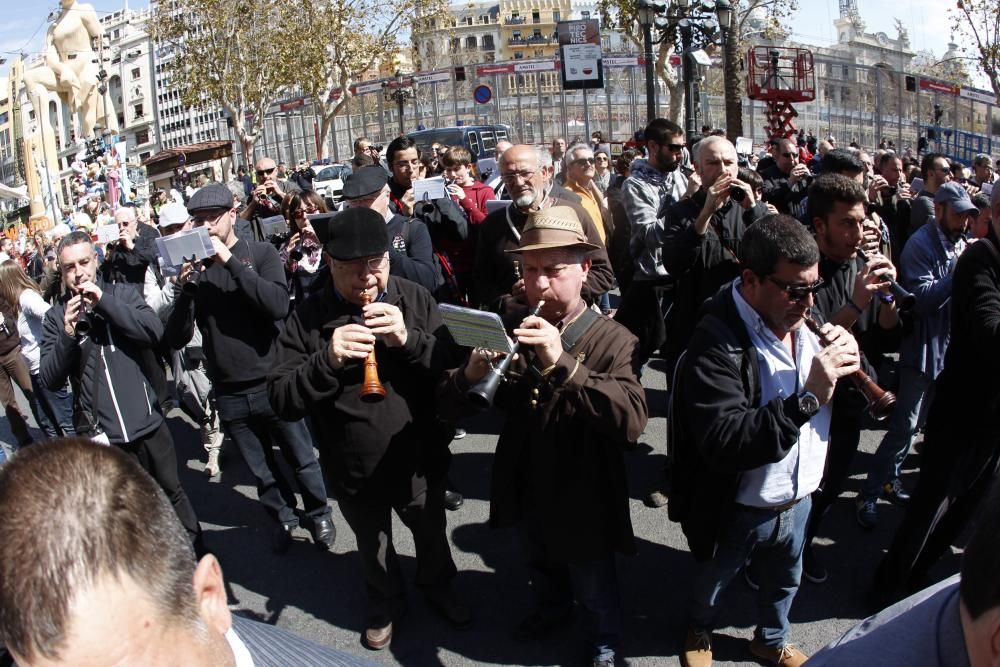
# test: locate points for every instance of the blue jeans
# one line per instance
(593, 584)
(255, 428)
(915, 392)
(53, 410)
(776, 541)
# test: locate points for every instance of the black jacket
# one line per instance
(123, 326)
(381, 444)
(411, 255)
(720, 428)
(700, 264)
(785, 197)
(239, 307)
(443, 217)
(129, 266)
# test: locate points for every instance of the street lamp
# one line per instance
(647, 11)
(399, 95)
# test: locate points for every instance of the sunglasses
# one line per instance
(789, 155)
(266, 172)
(677, 148)
(797, 292)
(583, 161)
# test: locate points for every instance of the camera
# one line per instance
(737, 194)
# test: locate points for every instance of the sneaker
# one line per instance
(785, 655)
(212, 468)
(896, 493)
(866, 513)
(697, 649)
(754, 586)
(812, 569)
(378, 634)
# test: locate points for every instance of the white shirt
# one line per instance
(32, 309)
(800, 472)
(240, 651)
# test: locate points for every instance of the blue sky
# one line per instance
(23, 27)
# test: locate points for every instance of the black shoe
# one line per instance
(812, 568)
(453, 500)
(281, 538)
(895, 493)
(324, 533)
(459, 434)
(446, 602)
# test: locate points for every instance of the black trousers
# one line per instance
(956, 473)
(420, 506)
(642, 311)
(156, 454)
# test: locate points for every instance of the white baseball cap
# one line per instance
(173, 213)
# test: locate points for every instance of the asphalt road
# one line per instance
(320, 595)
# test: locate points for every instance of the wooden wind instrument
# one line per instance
(880, 401)
(372, 390)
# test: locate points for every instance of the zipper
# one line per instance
(114, 399)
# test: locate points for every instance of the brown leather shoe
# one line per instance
(379, 633)
(697, 649)
(783, 656)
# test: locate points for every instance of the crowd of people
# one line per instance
(778, 287)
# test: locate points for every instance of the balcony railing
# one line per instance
(539, 39)
(517, 41)
(515, 20)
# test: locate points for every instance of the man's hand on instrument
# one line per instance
(838, 359)
(480, 364)
(541, 335)
(351, 341)
(386, 320)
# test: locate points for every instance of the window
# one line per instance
(467, 20)
(137, 111)
(470, 43)
(488, 43)
(142, 137)
(556, 16)
(518, 55)
(517, 36)
(585, 15)
(484, 19)
(846, 71)
(539, 53)
(536, 16)
(536, 34)
(456, 45)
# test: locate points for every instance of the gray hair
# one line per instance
(239, 192)
(571, 152)
(544, 157)
(709, 141)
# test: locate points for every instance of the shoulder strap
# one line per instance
(575, 331)
(406, 234)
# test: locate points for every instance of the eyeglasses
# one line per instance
(265, 172)
(789, 155)
(601, 158)
(209, 215)
(580, 162)
(797, 292)
(371, 265)
(524, 175)
(676, 148)
(308, 209)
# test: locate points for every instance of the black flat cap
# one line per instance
(364, 182)
(213, 195)
(351, 234)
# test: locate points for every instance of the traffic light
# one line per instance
(459, 74)
(911, 84)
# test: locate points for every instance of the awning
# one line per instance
(7, 192)
(167, 160)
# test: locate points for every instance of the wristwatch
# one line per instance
(808, 403)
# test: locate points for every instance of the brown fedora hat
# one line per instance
(555, 227)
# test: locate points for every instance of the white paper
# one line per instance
(744, 145)
(107, 234)
(428, 188)
(182, 246)
(475, 328)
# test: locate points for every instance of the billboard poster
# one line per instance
(580, 52)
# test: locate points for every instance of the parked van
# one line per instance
(478, 139)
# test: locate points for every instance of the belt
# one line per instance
(776, 509)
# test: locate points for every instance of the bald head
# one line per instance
(525, 171)
(501, 148)
(715, 156)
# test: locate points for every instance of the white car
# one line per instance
(329, 181)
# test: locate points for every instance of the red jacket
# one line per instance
(462, 254)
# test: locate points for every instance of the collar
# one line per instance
(568, 320)
(240, 651)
